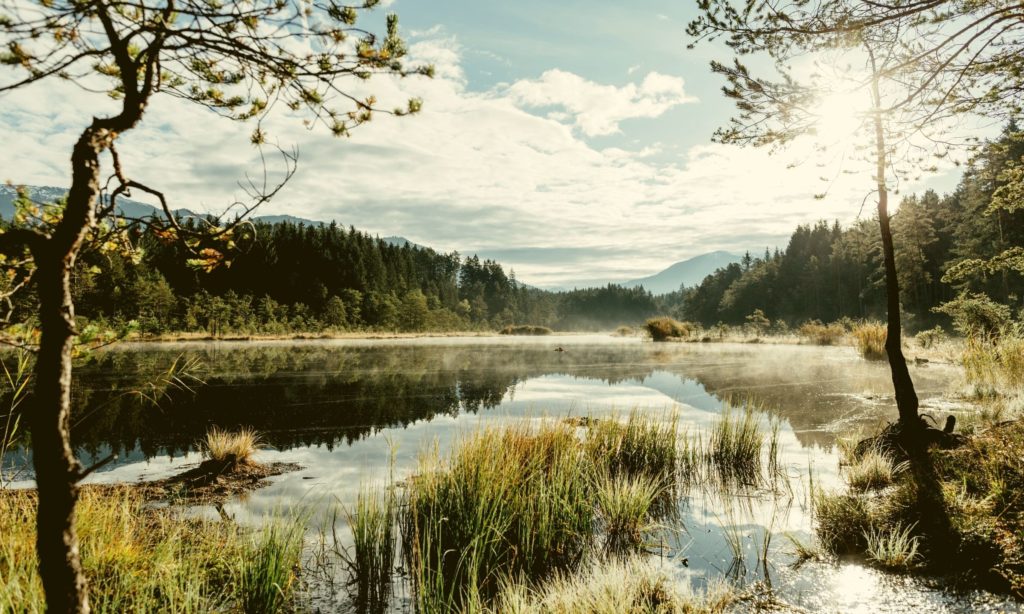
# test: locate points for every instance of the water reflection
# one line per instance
(354, 413)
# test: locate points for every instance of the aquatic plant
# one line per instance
(735, 445)
(872, 471)
(822, 334)
(841, 521)
(624, 505)
(617, 586)
(869, 338)
(231, 447)
(374, 540)
(665, 328)
(641, 445)
(526, 329)
(268, 570)
(894, 549)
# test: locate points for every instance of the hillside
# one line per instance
(684, 273)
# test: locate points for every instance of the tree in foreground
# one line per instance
(239, 60)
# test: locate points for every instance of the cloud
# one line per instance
(599, 109)
(477, 171)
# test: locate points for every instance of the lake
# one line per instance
(354, 413)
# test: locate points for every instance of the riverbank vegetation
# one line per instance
(144, 559)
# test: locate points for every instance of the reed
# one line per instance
(870, 341)
(822, 334)
(269, 570)
(372, 562)
(625, 507)
(735, 445)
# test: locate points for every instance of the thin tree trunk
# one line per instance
(57, 470)
(903, 385)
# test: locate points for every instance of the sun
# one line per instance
(839, 114)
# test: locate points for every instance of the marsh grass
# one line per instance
(371, 563)
(526, 330)
(869, 340)
(269, 570)
(822, 334)
(625, 505)
(995, 364)
(640, 445)
(665, 328)
(140, 559)
(842, 521)
(893, 549)
(231, 447)
(617, 586)
(872, 471)
(734, 452)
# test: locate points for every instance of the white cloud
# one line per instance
(475, 171)
(599, 109)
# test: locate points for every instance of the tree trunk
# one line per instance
(903, 386)
(57, 470)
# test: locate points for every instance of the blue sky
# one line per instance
(569, 140)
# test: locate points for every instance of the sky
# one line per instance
(570, 141)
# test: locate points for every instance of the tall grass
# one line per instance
(532, 502)
(842, 521)
(995, 364)
(16, 380)
(268, 571)
(139, 559)
(526, 329)
(735, 445)
(374, 541)
(625, 505)
(869, 340)
(231, 447)
(822, 334)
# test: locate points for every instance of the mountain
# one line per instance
(687, 272)
(126, 206)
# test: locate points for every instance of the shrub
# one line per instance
(870, 341)
(822, 334)
(526, 329)
(665, 328)
(929, 338)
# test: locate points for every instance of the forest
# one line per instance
(828, 272)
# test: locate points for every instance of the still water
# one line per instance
(354, 413)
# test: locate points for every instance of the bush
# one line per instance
(822, 334)
(665, 328)
(526, 329)
(929, 338)
(870, 341)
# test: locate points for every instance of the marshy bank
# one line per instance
(360, 416)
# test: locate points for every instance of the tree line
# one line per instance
(296, 277)
(829, 272)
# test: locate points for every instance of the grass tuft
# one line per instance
(870, 341)
(631, 586)
(625, 507)
(734, 447)
(872, 471)
(373, 535)
(842, 522)
(268, 572)
(526, 329)
(229, 447)
(894, 549)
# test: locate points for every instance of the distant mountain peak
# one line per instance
(688, 272)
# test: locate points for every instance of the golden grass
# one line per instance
(140, 559)
(665, 328)
(616, 586)
(225, 446)
(822, 334)
(870, 341)
(872, 471)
